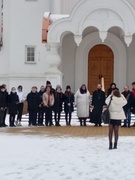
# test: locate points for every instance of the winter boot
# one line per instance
(115, 145)
(66, 122)
(69, 122)
(16, 122)
(85, 122)
(80, 122)
(19, 123)
(110, 145)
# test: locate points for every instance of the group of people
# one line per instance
(49, 100)
(39, 103)
(13, 103)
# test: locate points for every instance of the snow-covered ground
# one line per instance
(25, 157)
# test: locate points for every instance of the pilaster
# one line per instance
(53, 74)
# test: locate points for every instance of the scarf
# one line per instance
(133, 91)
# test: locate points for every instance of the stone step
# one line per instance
(74, 115)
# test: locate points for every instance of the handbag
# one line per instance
(91, 116)
(106, 114)
(133, 110)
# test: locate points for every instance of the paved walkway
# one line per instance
(75, 131)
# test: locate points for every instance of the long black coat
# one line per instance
(3, 99)
(98, 101)
(68, 99)
(13, 100)
(40, 99)
(33, 101)
(130, 100)
(58, 100)
(40, 96)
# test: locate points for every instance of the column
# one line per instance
(53, 74)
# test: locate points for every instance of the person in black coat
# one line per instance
(98, 101)
(41, 108)
(57, 108)
(3, 105)
(130, 104)
(68, 105)
(5, 111)
(33, 104)
(111, 88)
(13, 100)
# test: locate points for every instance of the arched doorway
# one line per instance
(100, 64)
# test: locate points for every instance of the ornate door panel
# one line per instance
(100, 64)
(94, 72)
(107, 71)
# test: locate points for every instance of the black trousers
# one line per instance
(48, 116)
(68, 116)
(4, 118)
(33, 117)
(11, 120)
(57, 117)
(41, 112)
(82, 120)
(20, 111)
(2, 111)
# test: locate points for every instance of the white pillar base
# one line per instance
(55, 76)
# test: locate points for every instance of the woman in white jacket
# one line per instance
(82, 102)
(116, 115)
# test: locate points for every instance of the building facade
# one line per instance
(95, 40)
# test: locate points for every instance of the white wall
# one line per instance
(56, 7)
(5, 50)
(0, 16)
(132, 2)
(23, 26)
(68, 5)
(26, 29)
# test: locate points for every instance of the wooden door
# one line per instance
(100, 63)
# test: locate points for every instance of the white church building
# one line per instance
(85, 40)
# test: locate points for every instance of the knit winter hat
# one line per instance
(68, 87)
(2, 87)
(34, 87)
(58, 86)
(48, 82)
